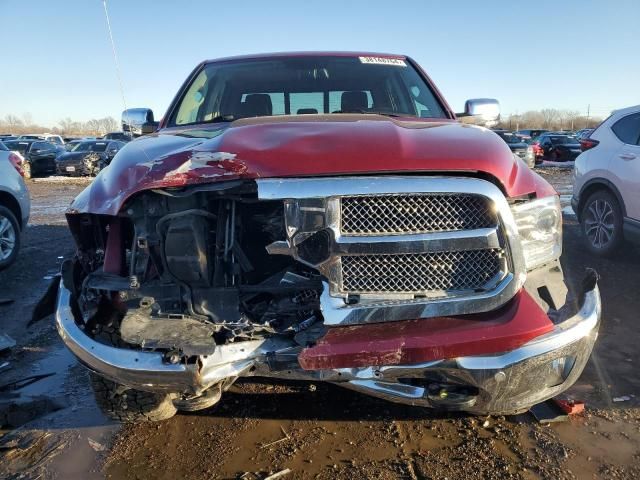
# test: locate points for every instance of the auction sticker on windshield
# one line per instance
(383, 61)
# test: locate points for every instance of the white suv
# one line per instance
(606, 182)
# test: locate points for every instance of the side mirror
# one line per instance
(485, 111)
(138, 121)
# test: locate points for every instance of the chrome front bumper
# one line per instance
(503, 383)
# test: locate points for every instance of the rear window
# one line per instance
(560, 140)
(627, 129)
(21, 147)
(305, 85)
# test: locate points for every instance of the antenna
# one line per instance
(115, 55)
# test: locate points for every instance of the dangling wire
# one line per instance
(115, 55)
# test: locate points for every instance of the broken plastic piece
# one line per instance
(570, 407)
(548, 412)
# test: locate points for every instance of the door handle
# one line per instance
(627, 156)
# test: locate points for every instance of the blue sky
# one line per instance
(530, 55)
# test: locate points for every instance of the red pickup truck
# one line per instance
(321, 217)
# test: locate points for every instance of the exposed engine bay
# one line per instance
(197, 270)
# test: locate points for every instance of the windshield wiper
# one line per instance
(375, 112)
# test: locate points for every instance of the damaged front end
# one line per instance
(413, 289)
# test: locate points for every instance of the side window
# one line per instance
(627, 129)
(42, 146)
(193, 99)
(419, 100)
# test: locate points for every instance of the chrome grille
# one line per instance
(420, 273)
(414, 214)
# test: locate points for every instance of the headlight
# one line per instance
(539, 224)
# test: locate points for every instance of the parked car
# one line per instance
(39, 156)
(531, 133)
(87, 157)
(558, 148)
(518, 146)
(344, 227)
(7, 137)
(49, 137)
(606, 184)
(70, 144)
(14, 206)
(121, 136)
(583, 133)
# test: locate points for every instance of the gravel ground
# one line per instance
(322, 431)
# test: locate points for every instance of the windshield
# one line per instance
(89, 147)
(306, 85)
(17, 146)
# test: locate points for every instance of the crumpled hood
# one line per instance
(290, 146)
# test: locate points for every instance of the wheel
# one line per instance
(26, 169)
(9, 237)
(601, 220)
(128, 405)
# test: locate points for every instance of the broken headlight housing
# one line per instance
(539, 224)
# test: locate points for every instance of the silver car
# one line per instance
(14, 205)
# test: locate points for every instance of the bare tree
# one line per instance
(66, 125)
(570, 116)
(108, 124)
(549, 116)
(12, 122)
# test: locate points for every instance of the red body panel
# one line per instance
(315, 145)
(416, 341)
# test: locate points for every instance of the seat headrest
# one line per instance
(353, 101)
(256, 105)
(306, 111)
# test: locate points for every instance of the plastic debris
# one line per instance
(570, 407)
(279, 474)
(97, 446)
(624, 398)
(548, 412)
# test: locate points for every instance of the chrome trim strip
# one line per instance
(483, 238)
(374, 310)
(305, 198)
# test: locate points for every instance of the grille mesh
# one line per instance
(415, 213)
(420, 273)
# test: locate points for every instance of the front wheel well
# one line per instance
(9, 201)
(597, 186)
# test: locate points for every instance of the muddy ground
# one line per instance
(316, 431)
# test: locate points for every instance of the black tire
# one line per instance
(127, 405)
(9, 237)
(601, 222)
